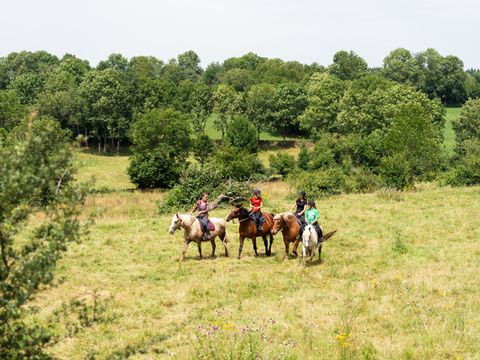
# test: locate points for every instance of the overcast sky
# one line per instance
(304, 30)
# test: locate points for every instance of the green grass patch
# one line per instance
(449, 134)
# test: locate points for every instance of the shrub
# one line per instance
(154, 169)
(282, 163)
(202, 148)
(303, 157)
(467, 170)
(237, 164)
(467, 126)
(321, 182)
(161, 141)
(241, 134)
(395, 171)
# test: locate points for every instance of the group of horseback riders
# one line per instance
(305, 212)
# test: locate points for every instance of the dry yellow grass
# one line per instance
(399, 281)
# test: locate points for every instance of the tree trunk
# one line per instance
(118, 145)
(99, 144)
(105, 143)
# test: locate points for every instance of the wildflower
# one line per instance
(342, 339)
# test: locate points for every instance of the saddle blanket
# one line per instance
(211, 226)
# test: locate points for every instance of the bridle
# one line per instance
(182, 223)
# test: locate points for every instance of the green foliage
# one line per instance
(415, 135)
(28, 258)
(324, 93)
(226, 103)
(241, 134)
(321, 183)
(290, 101)
(237, 164)
(303, 157)
(467, 126)
(194, 181)
(11, 109)
(395, 171)
(467, 169)
(202, 148)
(348, 65)
(161, 141)
(260, 105)
(282, 163)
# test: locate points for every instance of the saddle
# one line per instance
(210, 226)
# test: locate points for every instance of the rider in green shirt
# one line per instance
(311, 216)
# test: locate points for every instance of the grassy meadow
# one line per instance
(398, 281)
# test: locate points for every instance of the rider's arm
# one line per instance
(204, 211)
(303, 211)
(316, 217)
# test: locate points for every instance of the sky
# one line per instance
(304, 30)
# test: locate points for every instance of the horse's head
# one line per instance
(278, 223)
(235, 213)
(175, 224)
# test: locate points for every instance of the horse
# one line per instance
(288, 223)
(193, 232)
(248, 229)
(311, 242)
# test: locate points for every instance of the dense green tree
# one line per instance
(467, 126)
(290, 101)
(414, 134)
(161, 142)
(260, 106)
(241, 134)
(11, 109)
(275, 71)
(202, 148)
(114, 61)
(371, 103)
(213, 73)
(452, 89)
(226, 103)
(401, 66)
(108, 105)
(237, 164)
(249, 61)
(324, 93)
(29, 257)
(239, 79)
(348, 65)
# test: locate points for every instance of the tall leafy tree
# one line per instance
(260, 106)
(11, 110)
(30, 169)
(324, 93)
(226, 103)
(161, 142)
(348, 65)
(401, 66)
(290, 101)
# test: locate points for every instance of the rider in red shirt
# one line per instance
(256, 205)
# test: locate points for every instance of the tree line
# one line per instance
(102, 102)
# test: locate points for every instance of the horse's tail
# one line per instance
(329, 235)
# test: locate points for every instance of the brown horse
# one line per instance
(288, 223)
(248, 229)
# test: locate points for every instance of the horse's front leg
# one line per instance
(270, 246)
(287, 248)
(320, 253)
(265, 242)
(213, 246)
(240, 247)
(185, 246)
(254, 242)
(199, 244)
(295, 247)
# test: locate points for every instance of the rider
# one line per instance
(256, 205)
(311, 216)
(202, 207)
(301, 207)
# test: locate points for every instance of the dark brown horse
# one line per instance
(288, 223)
(248, 229)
